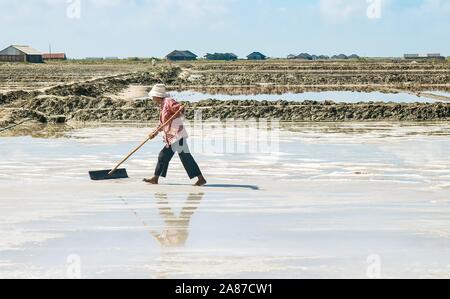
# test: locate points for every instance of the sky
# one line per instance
(153, 28)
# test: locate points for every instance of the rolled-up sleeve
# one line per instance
(169, 109)
(174, 107)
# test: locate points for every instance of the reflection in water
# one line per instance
(36, 130)
(176, 231)
(292, 96)
(279, 89)
(122, 132)
(369, 129)
(233, 186)
(271, 89)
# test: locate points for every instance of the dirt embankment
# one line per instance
(59, 103)
(322, 111)
(12, 96)
(86, 109)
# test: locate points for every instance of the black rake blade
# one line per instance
(102, 175)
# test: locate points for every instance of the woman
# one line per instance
(175, 137)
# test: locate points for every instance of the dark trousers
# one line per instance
(188, 161)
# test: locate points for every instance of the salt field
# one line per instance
(331, 200)
(335, 96)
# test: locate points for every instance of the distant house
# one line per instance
(435, 56)
(256, 56)
(424, 57)
(340, 57)
(17, 53)
(353, 56)
(181, 56)
(304, 56)
(412, 56)
(221, 56)
(54, 56)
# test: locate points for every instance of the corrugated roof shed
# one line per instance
(181, 54)
(189, 53)
(27, 50)
(256, 56)
(221, 56)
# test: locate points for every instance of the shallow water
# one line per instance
(322, 203)
(336, 96)
(439, 93)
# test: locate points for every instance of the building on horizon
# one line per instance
(256, 56)
(181, 56)
(339, 57)
(17, 53)
(221, 56)
(436, 56)
(309, 57)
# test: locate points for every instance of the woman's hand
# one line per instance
(180, 112)
(153, 135)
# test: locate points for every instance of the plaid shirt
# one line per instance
(175, 130)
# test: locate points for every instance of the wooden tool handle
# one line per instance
(147, 140)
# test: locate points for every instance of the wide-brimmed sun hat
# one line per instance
(159, 91)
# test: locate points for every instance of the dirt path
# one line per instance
(131, 93)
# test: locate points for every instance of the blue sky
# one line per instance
(145, 28)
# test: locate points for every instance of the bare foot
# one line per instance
(201, 182)
(153, 181)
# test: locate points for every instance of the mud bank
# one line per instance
(95, 88)
(9, 97)
(86, 109)
(58, 104)
(319, 111)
